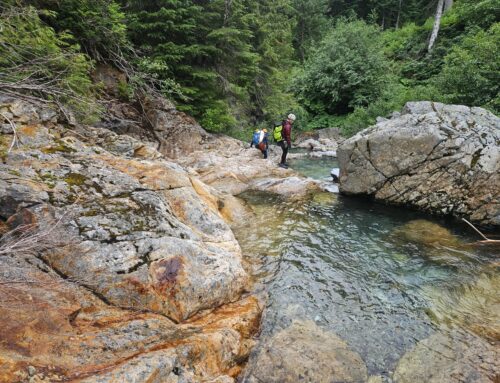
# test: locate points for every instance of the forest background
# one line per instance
(239, 64)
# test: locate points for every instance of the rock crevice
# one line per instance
(136, 294)
(443, 159)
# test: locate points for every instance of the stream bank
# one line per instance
(128, 269)
(144, 230)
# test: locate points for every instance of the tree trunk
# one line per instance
(435, 28)
(399, 13)
(448, 4)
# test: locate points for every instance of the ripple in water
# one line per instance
(381, 278)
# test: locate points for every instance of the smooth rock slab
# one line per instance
(305, 353)
(450, 358)
(144, 237)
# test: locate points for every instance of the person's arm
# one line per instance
(288, 133)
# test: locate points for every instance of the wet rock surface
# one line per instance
(449, 358)
(304, 352)
(443, 159)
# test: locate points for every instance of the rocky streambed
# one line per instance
(118, 263)
(159, 248)
(363, 292)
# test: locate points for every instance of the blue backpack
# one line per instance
(256, 138)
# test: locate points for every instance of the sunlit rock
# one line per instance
(443, 159)
(449, 358)
(148, 246)
(305, 352)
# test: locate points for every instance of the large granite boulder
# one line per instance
(304, 352)
(443, 159)
(133, 275)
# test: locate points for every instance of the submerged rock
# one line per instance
(443, 159)
(474, 306)
(304, 352)
(427, 233)
(450, 358)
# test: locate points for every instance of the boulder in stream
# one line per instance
(304, 352)
(454, 357)
(443, 159)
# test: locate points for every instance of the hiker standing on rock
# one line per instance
(260, 141)
(283, 136)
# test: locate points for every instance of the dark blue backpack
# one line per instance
(256, 138)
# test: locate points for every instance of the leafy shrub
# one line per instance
(393, 99)
(348, 70)
(217, 118)
(471, 71)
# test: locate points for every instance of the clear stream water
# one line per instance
(381, 278)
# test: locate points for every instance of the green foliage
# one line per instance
(475, 13)
(229, 59)
(217, 118)
(36, 61)
(311, 24)
(97, 25)
(393, 99)
(348, 70)
(471, 72)
(386, 13)
(241, 63)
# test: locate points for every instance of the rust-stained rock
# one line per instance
(67, 333)
(149, 287)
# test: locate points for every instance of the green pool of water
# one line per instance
(381, 278)
(317, 168)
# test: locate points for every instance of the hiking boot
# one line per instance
(284, 166)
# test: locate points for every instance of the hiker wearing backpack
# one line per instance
(260, 140)
(283, 137)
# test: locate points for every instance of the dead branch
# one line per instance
(486, 239)
(13, 126)
(33, 239)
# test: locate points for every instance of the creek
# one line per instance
(382, 278)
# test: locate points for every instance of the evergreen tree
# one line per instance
(97, 25)
(311, 24)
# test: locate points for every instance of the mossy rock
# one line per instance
(59, 147)
(75, 179)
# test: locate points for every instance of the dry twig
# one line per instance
(13, 126)
(486, 239)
